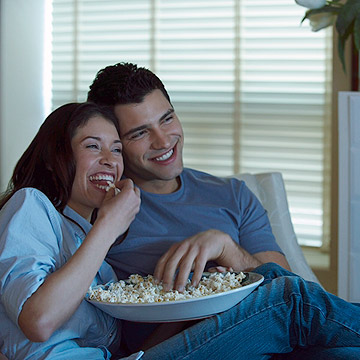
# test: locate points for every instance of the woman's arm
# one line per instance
(62, 292)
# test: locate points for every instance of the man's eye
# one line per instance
(137, 135)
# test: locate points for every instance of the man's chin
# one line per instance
(153, 172)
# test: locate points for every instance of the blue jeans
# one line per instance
(283, 314)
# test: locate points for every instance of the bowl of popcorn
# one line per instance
(142, 299)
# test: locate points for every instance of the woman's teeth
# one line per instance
(165, 156)
(101, 177)
(102, 187)
(108, 187)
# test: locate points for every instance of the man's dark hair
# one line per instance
(124, 83)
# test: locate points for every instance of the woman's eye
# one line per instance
(117, 150)
(92, 146)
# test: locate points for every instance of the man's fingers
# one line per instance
(193, 252)
(169, 263)
(160, 269)
(169, 271)
(183, 275)
(180, 259)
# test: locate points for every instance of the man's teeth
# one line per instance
(165, 156)
(101, 177)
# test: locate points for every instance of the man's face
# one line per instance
(152, 139)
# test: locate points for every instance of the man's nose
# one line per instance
(160, 140)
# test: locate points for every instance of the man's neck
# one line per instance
(160, 186)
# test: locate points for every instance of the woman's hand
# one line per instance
(118, 209)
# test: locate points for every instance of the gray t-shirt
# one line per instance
(203, 202)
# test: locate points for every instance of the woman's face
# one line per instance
(98, 157)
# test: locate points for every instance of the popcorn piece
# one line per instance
(112, 185)
(140, 289)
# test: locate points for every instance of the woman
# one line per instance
(49, 252)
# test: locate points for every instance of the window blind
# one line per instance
(249, 83)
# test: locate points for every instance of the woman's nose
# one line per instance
(107, 159)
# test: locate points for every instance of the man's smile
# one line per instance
(164, 156)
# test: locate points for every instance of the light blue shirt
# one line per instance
(35, 241)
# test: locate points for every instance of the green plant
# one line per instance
(345, 15)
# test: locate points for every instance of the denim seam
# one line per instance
(357, 332)
(259, 312)
(229, 328)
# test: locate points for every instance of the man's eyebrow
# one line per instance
(170, 111)
(142, 127)
(134, 130)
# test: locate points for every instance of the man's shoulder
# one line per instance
(197, 176)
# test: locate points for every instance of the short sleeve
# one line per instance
(29, 247)
(255, 233)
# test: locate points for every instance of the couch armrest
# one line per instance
(270, 190)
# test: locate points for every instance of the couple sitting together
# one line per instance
(61, 232)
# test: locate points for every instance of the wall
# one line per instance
(21, 79)
(349, 195)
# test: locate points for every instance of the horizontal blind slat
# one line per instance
(269, 81)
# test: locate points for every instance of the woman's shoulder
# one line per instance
(27, 219)
(30, 201)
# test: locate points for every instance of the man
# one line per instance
(189, 220)
(178, 205)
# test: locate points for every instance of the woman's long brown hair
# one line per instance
(48, 163)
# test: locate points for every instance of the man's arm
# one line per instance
(272, 256)
(193, 253)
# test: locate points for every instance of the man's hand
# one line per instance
(193, 253)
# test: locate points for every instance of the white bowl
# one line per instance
(181, 310)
